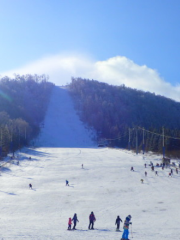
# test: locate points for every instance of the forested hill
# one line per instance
(23, 103)
(112, 110)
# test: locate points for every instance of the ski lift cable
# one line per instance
(143, 129)
(166, 136)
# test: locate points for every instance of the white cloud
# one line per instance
(116, 71)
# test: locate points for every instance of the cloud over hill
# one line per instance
(116, 71)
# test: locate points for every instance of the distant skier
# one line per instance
(132, 169)
(82, 166)
(152, 168)
(92, 219)
(118, 220)
(177, 170)
(145, 174)
(156, 173)
(30, 186)
(69, 224)
(75, 220)
(170, 175)
(171, 172)
(145, 165)
(67, 183)
(126, 227)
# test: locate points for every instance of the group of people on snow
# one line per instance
(92, 219)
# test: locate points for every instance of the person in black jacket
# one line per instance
(118, 220)
(75, 220)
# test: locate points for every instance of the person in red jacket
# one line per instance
(69, 224)
(92, 219)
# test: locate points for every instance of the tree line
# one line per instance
(113, 110)
(23, 103)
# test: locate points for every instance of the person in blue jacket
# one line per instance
(75, 220)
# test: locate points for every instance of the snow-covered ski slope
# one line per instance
(105, 186)
(62, 125)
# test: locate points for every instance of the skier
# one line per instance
(156, 173)
(75, 220)
(30, 186)
(145, 174)
(132, 169)
(171, 172)
(67, 183)
(177, 170)
(118, 220)
(82, 165)
(92, 219)
(145, 165)
(126, 227)
(69, 224)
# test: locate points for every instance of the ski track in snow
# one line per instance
(105, 186)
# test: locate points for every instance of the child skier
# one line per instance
(126, 227)
(69, 224)
(67, 183)
(92, 219)
(75, 220)
(118, 220)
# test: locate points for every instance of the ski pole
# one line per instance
(131, 231)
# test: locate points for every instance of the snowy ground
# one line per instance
(105, 185)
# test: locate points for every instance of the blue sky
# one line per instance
(144, 32)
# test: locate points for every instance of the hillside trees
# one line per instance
(23, 104)
(112, 110)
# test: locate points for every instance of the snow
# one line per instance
(105, 186)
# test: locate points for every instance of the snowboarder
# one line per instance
(69, 224)
(92, 219)
(145, 174)
(118, 220)
(67, 183)
(126, 227)
(30, 186)
(75, 220)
